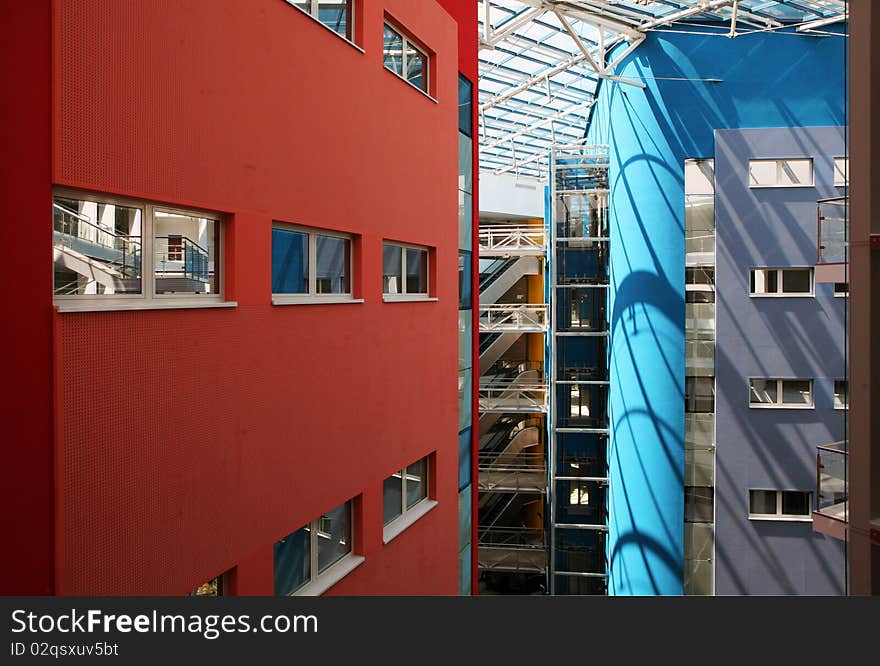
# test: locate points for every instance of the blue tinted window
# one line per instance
(332, 259)
(464, 458)
(465, 108)
(336, 15)
(290, 262)
(464, 280)
(292, 562)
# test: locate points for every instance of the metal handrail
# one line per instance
(513, 396)
(832, 224)
(512, 238)
(511, 537)
(835, 447)
(834, 483)
(127, 244)
(514, 317)
(511, 462)
(82, 219)
(195, 258)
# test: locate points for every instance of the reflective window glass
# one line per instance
(290, 262)
(332, 259)
(97, 248)
(292, 559)
(185, 253)
(333, 534)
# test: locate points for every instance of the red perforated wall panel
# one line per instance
(191, 440)
(26, 477)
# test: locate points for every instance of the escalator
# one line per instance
(500, 275)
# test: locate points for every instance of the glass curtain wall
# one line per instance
(465, 326)
(699, 510)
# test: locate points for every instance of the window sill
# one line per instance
(759, 406)
(281, 299)
(141, 304)
(327, 579)
(401, 523)
(782, 295)
(407, 298)
(410, 84)
(782, 519)
(329, 29)
(780, 187)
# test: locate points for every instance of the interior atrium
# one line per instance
(441, 297)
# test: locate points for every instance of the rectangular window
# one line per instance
(338, 15)
(310, 265)
(699, 284)
(301, 557)
(464, 280)
(184, 253)
(781, 173)
(780, 504)
(405, 59)
(841, 171)
(841, 394)
(111, 252)
(699, 504)
(781, 282)
(212, 588)
(699, 395)
(841, 289)
(781, 393)
(465, 105)
(404, 271)
(405, 497)
(699, 210)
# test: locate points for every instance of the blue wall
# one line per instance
(772, 337)
(767, 80)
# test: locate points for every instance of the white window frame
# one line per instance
(319, 583)
(779, 404)
(404, 296)
(841, 164)
(779, 285)
(313, 297)
(841, 294)
(313, 14)
(780, 166)
(148, 299)
(407, 41)
(795, 518)
(409, 516)
(842, 405)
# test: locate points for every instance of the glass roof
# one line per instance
(540, 60)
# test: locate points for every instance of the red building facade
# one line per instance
(159, 445)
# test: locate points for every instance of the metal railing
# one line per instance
(77, 232)
(522, 549)
(512, 396)
(515, 367)
(179, 256)
(516, 317)
(833, 230)
(512, 537)
(513, 462)
(512, 472)
(832, 483)
(512, 239)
